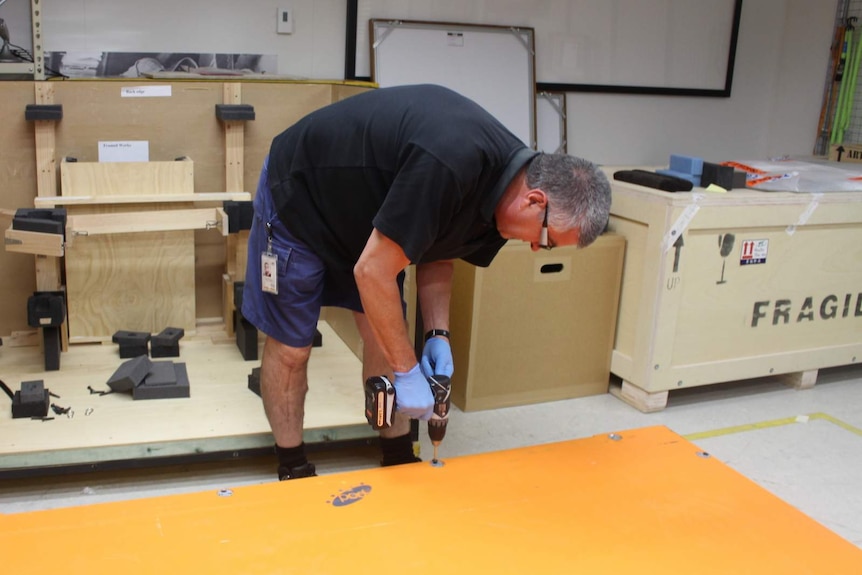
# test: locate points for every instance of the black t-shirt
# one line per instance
(422, 164)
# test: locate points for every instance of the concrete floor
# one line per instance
(803, 446)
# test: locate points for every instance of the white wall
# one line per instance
(314, 50)
(781, 62)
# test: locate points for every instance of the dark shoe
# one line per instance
(307, 470)
(412, 459)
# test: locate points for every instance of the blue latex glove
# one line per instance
(437, 358)
(413, 395)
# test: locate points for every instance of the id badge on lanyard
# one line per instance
(269, 265)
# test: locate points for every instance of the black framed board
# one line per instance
(662, 47)
(551, 131)
(492, 65)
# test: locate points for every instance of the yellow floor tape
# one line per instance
(773, 423)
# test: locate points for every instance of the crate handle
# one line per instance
(551, 268)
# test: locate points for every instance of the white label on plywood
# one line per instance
(125, 151)
(146, 92)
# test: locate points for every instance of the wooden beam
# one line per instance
(155, 221)
(234, 142)
(141, 199)
(34, 243)
(49, 269)
(46, 152)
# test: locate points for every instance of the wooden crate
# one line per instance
(723, 287)
(535, 327)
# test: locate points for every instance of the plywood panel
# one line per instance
(127, 178)
(275, 111)
(139, 282)
(645, 501)
(183, 124)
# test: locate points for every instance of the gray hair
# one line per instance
(578, 191)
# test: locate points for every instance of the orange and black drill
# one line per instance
(441, 387)
(380, 406)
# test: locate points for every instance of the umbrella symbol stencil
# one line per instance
(725, 246)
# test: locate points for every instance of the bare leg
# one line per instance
(283, 386)
(374, 363)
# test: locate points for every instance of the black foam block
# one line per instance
(46, 309)
(132, 343)
(166, 343)
(52, 345)
(246, 337)
(254, 381)
(167, 380)
(33, 400)
(239, 215)
(717, 174)
(130, 374)
(238, 288)
(236, 112)
(652, 180)
(50, 112)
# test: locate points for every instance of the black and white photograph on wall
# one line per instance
(157, 64)
(15, 32)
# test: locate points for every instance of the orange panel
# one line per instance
(645, 502)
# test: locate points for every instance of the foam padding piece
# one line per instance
(254, 381)
(235, 112)
(46, 309)
(239, 215)
(166, 343)
(246, 337)
(49, 112)
(686, 164)
(51, 347)
(653, 180)
(718, 175)
(695, 180)
(132, 343)
(130, 374)
(32, 400)
(166, 380)
(643, 503)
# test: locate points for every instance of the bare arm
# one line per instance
(376, 271)
(434, 286)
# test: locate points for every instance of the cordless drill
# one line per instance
(441, 387)
(380, 406)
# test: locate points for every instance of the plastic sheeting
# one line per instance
(800, 176)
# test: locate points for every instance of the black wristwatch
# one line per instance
(436, 332)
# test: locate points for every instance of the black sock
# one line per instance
(397, 450)
(290, 457)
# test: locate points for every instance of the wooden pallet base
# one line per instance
(653, 401)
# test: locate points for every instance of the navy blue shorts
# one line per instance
(304, 285)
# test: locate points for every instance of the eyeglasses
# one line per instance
(544, 242)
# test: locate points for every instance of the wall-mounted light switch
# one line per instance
(285, 21)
